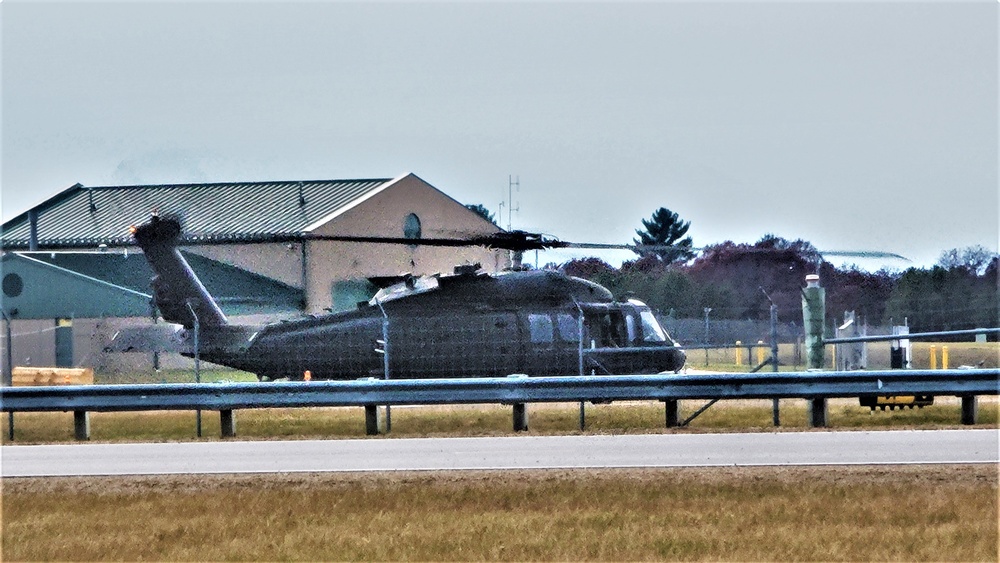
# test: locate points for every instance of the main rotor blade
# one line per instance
(518, 241)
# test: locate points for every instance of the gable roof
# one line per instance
(83, 216)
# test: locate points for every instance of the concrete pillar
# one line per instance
(228, 423)
(970, 409)
(371, 420)
(817, 412)
(81, 425)
(520, 417)
(672, 411)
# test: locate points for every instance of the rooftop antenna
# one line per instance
(512, 182)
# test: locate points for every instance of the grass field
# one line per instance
(910, 513)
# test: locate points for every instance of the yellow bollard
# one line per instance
(308, 375)
(739, 357)
(933, 356)
(944, 357)
(760, 352)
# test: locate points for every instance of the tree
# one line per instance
(480, 209)
(587, 268)
(665, 229)
(975, 259)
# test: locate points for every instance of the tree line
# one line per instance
(739, 281)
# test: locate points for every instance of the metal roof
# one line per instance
(84, 216)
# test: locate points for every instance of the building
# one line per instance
(70, 256)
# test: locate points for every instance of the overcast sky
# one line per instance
(851, 125)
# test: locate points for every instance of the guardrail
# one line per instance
(515, 390)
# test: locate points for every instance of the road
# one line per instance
(521, 452)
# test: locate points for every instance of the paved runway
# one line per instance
(518, 452)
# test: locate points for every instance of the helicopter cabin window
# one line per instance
(540, 327)
(607, 329)
(569, 327)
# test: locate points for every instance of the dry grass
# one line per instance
(842, 513)
(485, 420)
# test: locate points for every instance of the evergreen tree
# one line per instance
(665, 230)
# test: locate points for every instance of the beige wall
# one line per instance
(384, 214)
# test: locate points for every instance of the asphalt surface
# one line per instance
(520, 452)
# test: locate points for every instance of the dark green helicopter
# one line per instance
(470, 324)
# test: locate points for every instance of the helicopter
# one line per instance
(467, 324)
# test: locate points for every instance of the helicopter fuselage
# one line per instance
(471, 325)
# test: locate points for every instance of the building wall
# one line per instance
(384, 214)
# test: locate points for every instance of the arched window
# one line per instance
(411, 226)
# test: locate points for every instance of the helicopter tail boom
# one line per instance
(178, 292)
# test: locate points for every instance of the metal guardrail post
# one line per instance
(227, 423)
(672, 409)
(520, 417)
(81, 425)
(371, 420)
(818, 413)
(970, 409)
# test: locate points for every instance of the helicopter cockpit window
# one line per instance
(540, 327)
(569, 327)
(651, 329)
(630, 326)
